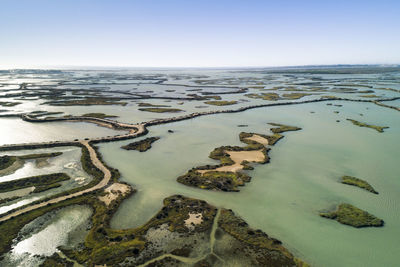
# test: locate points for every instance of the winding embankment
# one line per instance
(96, 162)
(140, 129)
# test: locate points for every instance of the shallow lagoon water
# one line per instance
(16, 131)
(63, 227)
(285, 196)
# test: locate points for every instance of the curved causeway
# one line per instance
(96, 162)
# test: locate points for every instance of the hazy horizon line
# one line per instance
(193, 67)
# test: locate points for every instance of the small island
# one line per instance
(99, 115)
(220, 103)
(350, 215)
(161, 110)
(228, 175)
(142, 145)
(350, 180)
(362, 124)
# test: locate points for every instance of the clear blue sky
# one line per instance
(202, 33)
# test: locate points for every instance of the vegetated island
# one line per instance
(221, 103)
(350, 180)
(144, 104)
(362, 124)
(142, 145)
(9, 104)
(350, 215)
(161, 110)
(99, 115)
(227, 175)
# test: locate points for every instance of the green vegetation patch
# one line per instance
(87, 102)
(9, 104)
(280, 128)
(350, 180)
(152, 105)
(350, 215)
(265, 96)
(7, 161)
(214, 180)
(293, 96)
(221, 103)
(363, 124)
(40, 181)
(5, 200)
(240, 230)
(368, 96)
(40, 155)
(142, 145)
(56, 261)
(161, 110)
(99, 115)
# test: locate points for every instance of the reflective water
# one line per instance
(42, 236)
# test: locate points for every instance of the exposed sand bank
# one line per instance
(114, 191)
(258, 139)
(238, 157)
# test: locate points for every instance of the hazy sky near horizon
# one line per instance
(202, 33)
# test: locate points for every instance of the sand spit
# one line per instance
(114, 191)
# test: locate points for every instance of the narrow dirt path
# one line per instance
(188, 259)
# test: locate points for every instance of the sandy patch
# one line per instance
(238, 157)
(80, 180)
(114, 191)
(258, 139)
(194, 218)
(71, 165)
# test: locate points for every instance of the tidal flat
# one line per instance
(283, 201)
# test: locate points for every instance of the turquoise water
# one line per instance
(286, 195)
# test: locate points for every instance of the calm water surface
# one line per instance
(284, 197)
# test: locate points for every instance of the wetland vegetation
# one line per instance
(161, 110)
(363, 124)
(350, 180)
(220, 103)
(142, 145)
(353, 216)
(41, 182)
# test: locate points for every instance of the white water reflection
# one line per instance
(56, 234)
(21, 203)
